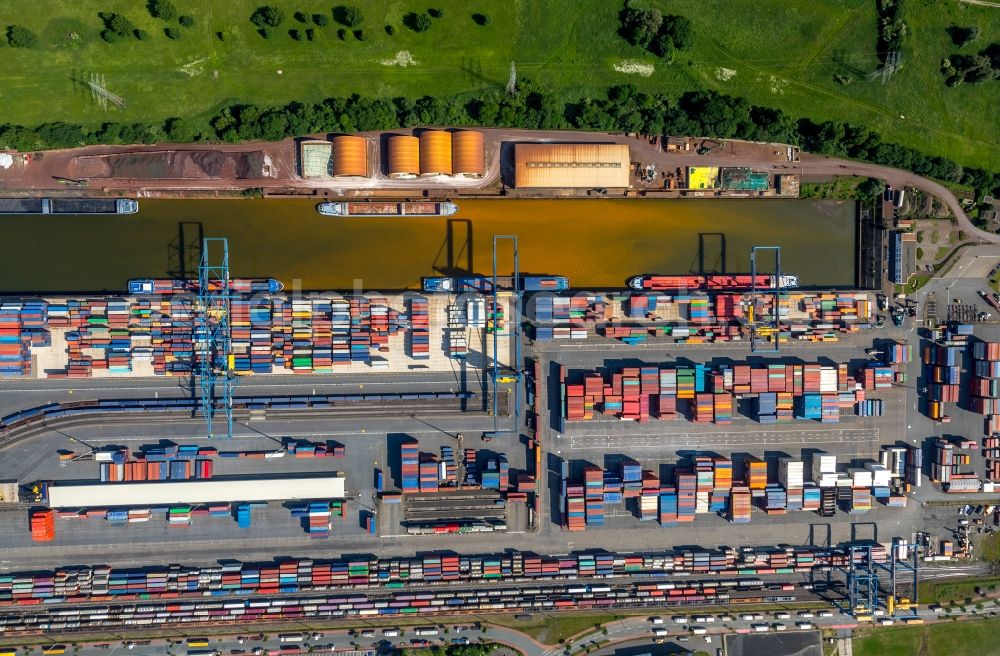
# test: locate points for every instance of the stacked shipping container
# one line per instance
(783, 392)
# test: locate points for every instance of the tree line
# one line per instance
(623, 108)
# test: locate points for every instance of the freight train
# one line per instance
(101, 584)
(733, 282)
(47, 618)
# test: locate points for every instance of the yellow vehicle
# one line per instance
(197, 642)
(8, 652)
(53, 649)
(507, 379)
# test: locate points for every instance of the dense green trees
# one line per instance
(649, 29)
(891, 27)
(640, 26)
(963, 36)
(116, 27)
(624, 108)
(19, 36)
(981, 67)
(267, 16)
(162, 9)
(348, 15)
(417, 22)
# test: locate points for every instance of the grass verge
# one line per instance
(944, 639)
(551, 628)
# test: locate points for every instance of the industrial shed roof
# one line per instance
(404, 155)
(467, 153)
(95, 495)
(350, 156)
(571, 165)
(435, 152)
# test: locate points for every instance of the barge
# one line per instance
(484, 284)
(165, 286)
(714, 282)
(68, 206)
(348, 209)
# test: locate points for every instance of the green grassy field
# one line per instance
(783, 54)
(975, 637)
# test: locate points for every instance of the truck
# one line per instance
(425, 631)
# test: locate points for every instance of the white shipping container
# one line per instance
(475, 311)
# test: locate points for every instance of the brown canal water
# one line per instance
(596, 243)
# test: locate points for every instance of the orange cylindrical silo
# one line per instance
(404, 156)
(467, 153)
(350, 156)
(435, 152)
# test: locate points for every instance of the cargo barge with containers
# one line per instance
(366, 209)
(167, 286)
(484, 284)
(714, 282)
(68, 206)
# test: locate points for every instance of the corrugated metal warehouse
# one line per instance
(435, 152)
(350, 156)
(404, 156)
(99, 495)
(467, 154)
(571, 165)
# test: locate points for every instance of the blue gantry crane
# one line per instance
(215, 374)
(513, 331)
(757, 329)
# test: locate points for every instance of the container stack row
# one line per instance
(410, 466)
(427, 473)
(593, 481)
(574, 501)
(22, 324)
(649, 501)
(986, 381)
(708, 485)
(420, 335)
(700, 319)
(942, 367)
(119, 334)
(42, 525)
(706, 395)
(495, 474)
(315, 517)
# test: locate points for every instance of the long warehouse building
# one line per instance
(100, 495)
(580, 165)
